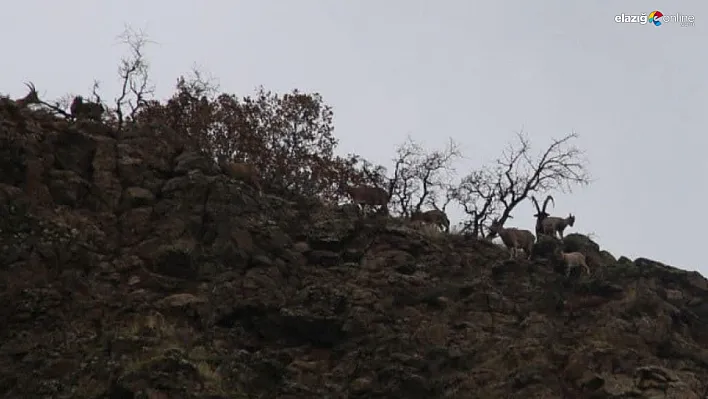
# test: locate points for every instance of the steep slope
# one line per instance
(131, 268)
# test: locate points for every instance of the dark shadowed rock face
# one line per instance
(132, 269)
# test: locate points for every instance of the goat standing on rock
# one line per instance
(514, 239)
(541, 214)
(88, 109)
(553, 225)
(550, 225)
(369, 195)
(433, 216)
(572, 260)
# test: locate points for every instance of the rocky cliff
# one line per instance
(132, 268)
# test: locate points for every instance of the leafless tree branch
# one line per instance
(134, 74)
(420, 176)
(516, 174)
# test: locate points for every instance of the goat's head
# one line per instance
(570, 219)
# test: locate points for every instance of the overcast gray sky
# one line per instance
(474, 71)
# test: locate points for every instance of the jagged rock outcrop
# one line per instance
(132, 268)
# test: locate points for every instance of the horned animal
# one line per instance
(88, 109)
(572, 260)
(369, 195)
(433, 216)
(30, 98)
(514, 238)
(541, 214)
(554, 224)
(241, 171)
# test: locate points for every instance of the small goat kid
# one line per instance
(572, 260)
(369, 195)
(552, 225)
(514, 239)
(88, 109)
(433, 216)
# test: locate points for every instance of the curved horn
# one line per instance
(538, 209)
(545, 203)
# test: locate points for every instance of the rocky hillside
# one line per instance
(133, 268)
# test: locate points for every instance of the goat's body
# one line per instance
(242, 171)
(434, 216)
(553, 225)
(369, 195)
(515, 239)
(572, 260)
(88, 110)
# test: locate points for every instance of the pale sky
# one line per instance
(474, 71)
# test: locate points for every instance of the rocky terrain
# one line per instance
(131, 267)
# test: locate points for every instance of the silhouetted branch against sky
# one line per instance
(496, 190)
(477, 196)
(559, 167)
(133, 72)
(420, 176)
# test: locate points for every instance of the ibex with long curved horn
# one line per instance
(30, 98)
(541, 214)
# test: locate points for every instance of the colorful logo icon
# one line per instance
(655, 17)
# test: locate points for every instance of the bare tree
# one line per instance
(420, 176)
(477, 194)
(401, 184)
(495, 192)
(134, 74)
